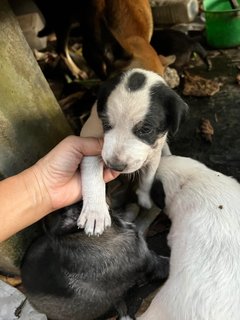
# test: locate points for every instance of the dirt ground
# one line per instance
(223, 111)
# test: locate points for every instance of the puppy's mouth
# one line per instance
(123, 167)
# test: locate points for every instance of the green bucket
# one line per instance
(222, 23)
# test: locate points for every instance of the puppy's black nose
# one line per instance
(116, 166)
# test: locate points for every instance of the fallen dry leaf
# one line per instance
(171, 77)
(195, 85)
(12, 281)
(206, 129)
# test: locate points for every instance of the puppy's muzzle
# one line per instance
(116, 166)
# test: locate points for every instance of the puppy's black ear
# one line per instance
(105, 90)
(176, 110)
(168, 107)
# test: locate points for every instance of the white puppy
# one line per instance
(134, 112)
(204, 207)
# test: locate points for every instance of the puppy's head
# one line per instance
(137, 110)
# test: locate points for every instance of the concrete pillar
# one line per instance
(31, 121)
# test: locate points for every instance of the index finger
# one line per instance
(84, 146)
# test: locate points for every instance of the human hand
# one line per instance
(58, 172)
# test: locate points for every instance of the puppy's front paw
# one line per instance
(93, 219)
(144, 199)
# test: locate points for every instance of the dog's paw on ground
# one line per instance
(94, 220)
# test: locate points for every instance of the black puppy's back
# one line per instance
(68, 275)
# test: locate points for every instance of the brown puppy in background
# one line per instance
(116, 34)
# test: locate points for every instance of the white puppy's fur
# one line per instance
(204, 280)
(125, 108)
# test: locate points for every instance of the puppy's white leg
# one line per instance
(94, 217)
(166, 150)
(143, 192)
(145, 218)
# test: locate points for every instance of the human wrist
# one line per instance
(37, 190)
(24, 200)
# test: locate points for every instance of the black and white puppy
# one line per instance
(70, 276)
(204, 207)
(134, 113)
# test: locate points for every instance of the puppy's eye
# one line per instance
(106, 126)
(144, 130)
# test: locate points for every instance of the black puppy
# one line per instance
(70, 276)
(174, 42)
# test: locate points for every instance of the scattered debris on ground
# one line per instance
(198, 86)
(206, 130)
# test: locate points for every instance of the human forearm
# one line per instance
(23, 201)
(52, 183)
